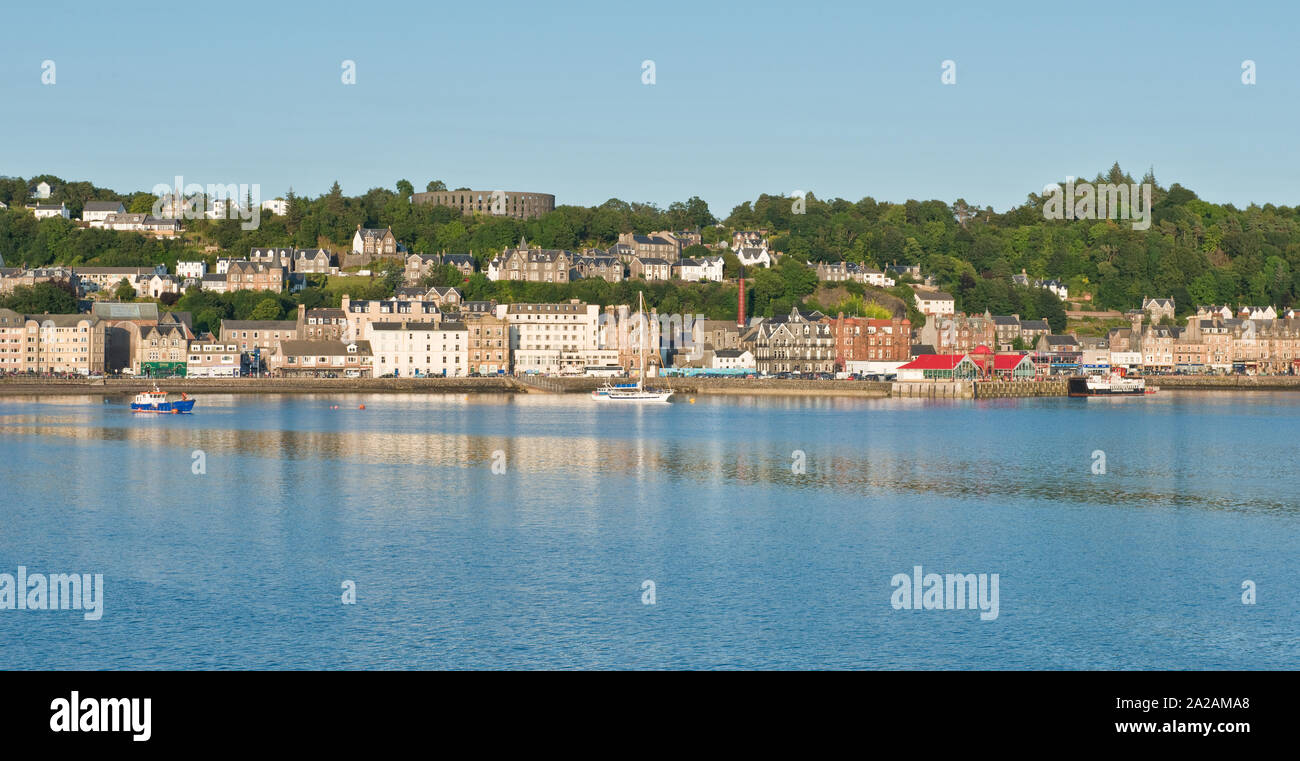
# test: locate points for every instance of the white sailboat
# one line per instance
(637, 392)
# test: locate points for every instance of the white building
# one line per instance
(95, 212)
(704, 268)
(555, 338)
(878, 278)
(934, 303)
(143, 223)
(751, 256)
(154, 286)
(195, 269)
(1058, 288)
(733, 359)
(47, 210)
(277, 206)
(1257, 313)
(877, 367)
(223, 265)
(418, 349)
(222, 208)
(1212, 311)
(211, 359)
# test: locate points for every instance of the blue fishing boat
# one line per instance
(159, 401)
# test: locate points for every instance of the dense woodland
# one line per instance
(1194, 251)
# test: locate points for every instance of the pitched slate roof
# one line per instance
(322, 348)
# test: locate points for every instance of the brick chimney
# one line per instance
(740, 311)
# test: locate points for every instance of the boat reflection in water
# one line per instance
(160, 401)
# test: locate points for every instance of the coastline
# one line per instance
(22, 387)
(1226, 382)
(583, 385)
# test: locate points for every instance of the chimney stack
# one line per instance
(740, 312)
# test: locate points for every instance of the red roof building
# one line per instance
(980, 364)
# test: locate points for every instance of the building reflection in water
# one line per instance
(563, 443)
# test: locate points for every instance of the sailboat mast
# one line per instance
(640, 308)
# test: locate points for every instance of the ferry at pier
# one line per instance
(1113, 384)
(162, 402)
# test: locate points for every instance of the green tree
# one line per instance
(267, 309)
(124, 291)
(57, 297)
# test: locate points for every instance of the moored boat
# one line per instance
(1113, 384)
(160, 401)
(633, 392)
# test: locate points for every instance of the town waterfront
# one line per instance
(503, 530)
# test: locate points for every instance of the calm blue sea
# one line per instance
(753, 565)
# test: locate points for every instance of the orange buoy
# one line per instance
(362, 407)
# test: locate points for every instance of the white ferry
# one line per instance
(1112, 384)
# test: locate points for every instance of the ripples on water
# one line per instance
(756, 565)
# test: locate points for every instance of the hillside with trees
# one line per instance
(1194, 251)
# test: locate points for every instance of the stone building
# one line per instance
(534, 265)
(321, 324)
(800, 342)
(255, 276)
(501, 203)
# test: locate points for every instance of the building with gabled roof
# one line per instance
(1158, 309)
(419, 349)
(98, 211)
(534, 265)
(342, 359)
(800, 342)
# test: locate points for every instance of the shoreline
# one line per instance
(116, 387)
(581, 385)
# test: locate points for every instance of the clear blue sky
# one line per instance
(838, 98)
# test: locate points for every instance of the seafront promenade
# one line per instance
(561, 385)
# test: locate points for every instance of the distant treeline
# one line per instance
(1194, 251)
